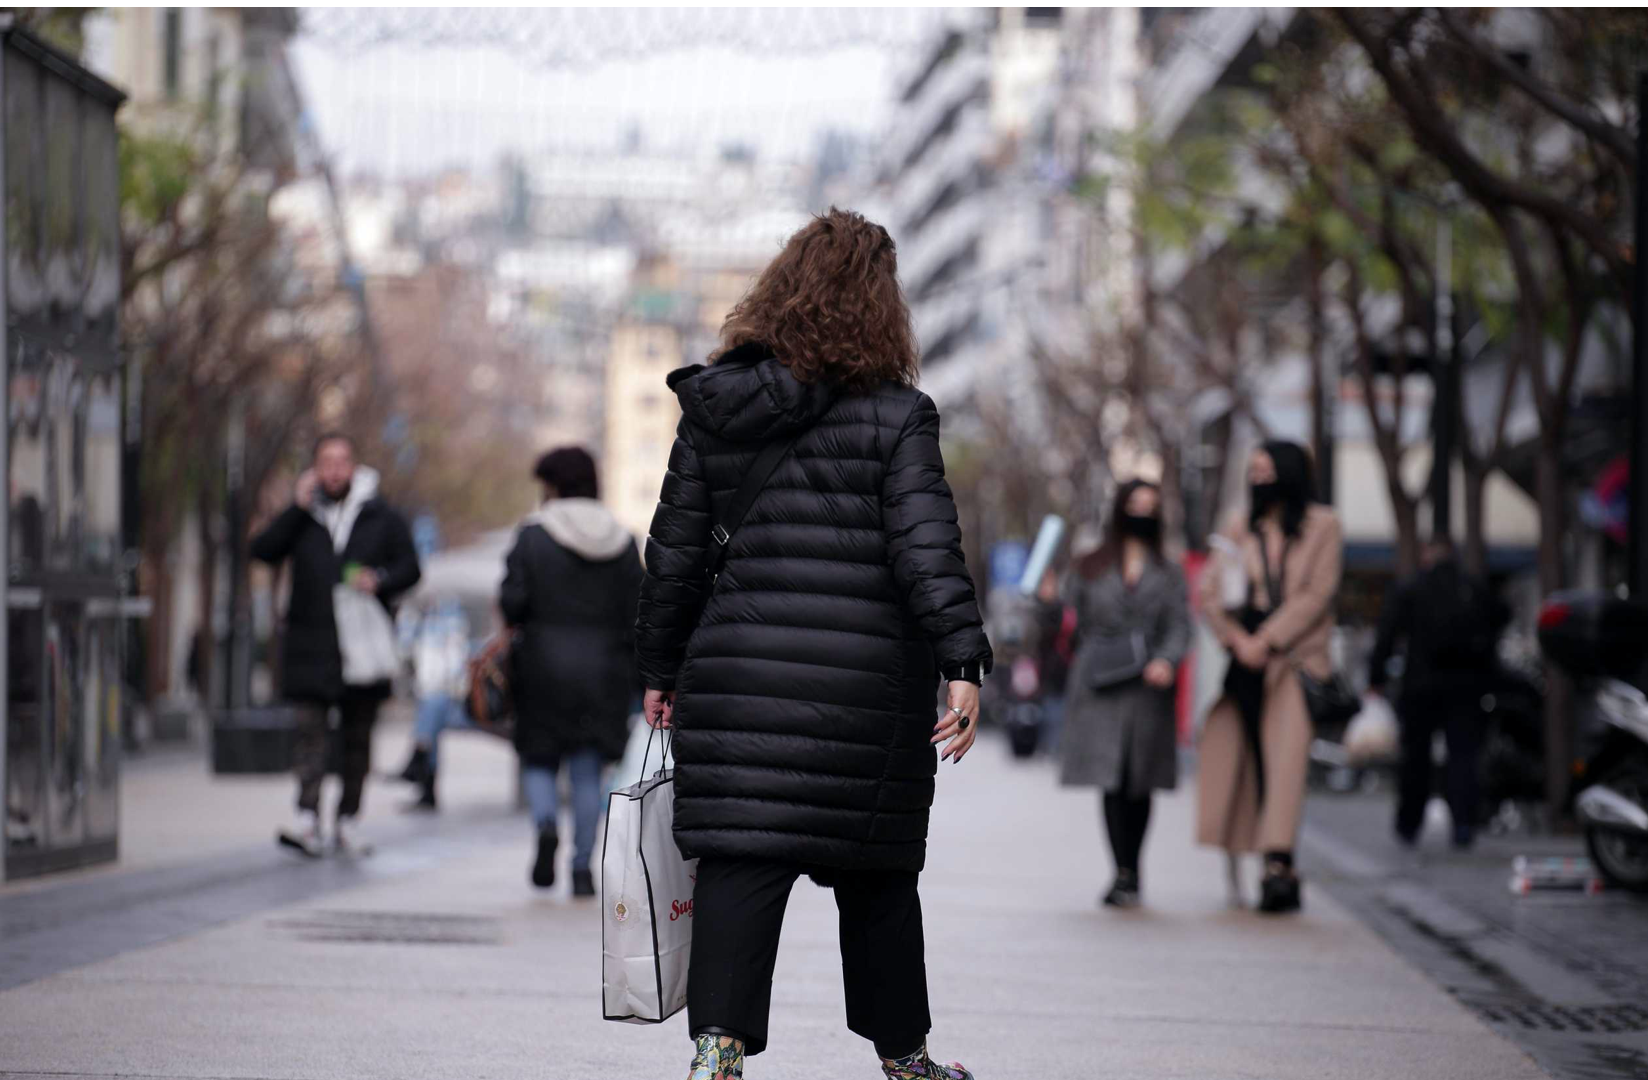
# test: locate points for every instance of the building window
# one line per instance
(172, 50)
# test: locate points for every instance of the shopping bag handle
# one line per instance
(666, 742)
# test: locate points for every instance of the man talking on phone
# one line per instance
(337, 531)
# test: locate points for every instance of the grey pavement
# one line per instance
(1564, 974)
(435, 959)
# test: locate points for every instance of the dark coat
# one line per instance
(311, 667)
(807, 688)
(1447, 623)
(574, 661)
(1133, 722)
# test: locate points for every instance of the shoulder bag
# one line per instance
(1331, 702)
(1118, 660)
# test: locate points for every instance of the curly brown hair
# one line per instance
(830, 307)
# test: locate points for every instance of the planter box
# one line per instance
(254, 740)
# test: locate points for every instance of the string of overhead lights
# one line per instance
(575, 37)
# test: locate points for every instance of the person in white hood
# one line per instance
(342, 541)
(571, 587)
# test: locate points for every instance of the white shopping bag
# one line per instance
(1373, 735)
(646, 905)
(366, 637)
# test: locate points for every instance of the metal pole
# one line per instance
(1444, 403)
(1638, 504)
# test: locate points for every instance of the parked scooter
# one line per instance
(1601, 641)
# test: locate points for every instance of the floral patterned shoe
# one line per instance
(717, 1057)
(919, 1066)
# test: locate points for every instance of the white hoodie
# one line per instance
(584, 527)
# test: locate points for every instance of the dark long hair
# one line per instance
(830, 307)
(1097, 563)
(1297, 476)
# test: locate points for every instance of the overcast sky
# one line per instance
(406, 108)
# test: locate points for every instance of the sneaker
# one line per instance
(417, 769)
(919, 1066)
(543, 869)
(303, 836)
(1125, 892)
(583, 883)
(347, 841)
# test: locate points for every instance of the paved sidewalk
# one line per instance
(445, 964)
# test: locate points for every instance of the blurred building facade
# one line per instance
(218, 81)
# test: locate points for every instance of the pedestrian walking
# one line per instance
(1446, 623)
(338, 531)
(442, 645)
(570, 590)
(801, 683)
(1132, 627)
(1254, 751)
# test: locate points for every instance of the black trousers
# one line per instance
(738, 912)
(1456, 712)
(356, 715)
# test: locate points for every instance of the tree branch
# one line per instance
(1616, 140)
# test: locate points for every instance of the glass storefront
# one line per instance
(62, 387)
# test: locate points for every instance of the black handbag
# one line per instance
(1331, 701)
(1117, 661)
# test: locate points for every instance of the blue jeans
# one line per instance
(584, 769)
(435, 715)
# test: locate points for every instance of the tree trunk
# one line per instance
(1405, 511)
(157, 584)
(1476, 539)
(1321, 432)
(1173, 506)
(206, 630)
(1552, 519)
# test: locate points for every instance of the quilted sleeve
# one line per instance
(924, 539)
(676, 582)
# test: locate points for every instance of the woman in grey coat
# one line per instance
(1132, 629)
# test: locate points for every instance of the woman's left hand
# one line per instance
(1159, 673)
(658, 707)
(960, 729)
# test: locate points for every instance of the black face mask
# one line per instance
(1265, 496)
(1141, 527)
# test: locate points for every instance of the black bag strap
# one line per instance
(761, 471)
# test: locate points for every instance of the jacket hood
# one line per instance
(584, 527)
(339, 517)
(749, 396)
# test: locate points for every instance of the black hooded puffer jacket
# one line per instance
(806, 689)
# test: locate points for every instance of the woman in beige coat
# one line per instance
(1255, 746)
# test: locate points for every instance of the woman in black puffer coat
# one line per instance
(802, 687)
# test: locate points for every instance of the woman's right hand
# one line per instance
(658, 707)
(1251, 652)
